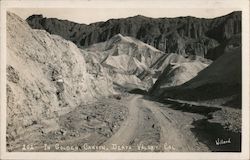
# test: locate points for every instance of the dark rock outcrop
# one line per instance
(182, 35)
(220, 83)
(216, 52)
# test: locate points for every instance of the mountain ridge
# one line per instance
(182, 35)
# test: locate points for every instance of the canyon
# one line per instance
(171, 83)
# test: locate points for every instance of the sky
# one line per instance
(90, 15)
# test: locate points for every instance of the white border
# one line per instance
(212, 4)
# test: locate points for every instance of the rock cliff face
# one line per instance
(182, 35)
(46, 77)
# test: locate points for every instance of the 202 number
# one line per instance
(28, 147)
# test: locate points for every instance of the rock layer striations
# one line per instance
(182, 35)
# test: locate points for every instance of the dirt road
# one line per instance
(173, 128)
(128, 129)
(134, 124)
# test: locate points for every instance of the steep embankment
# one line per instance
(182, 35)
(219, 83)
(46, 78)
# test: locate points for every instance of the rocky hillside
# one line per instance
(182, 35)
(219, 83)
(178, 72)
(46, 77)
(132, 63)
(128, 60)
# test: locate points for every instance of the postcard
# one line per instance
(125, 79)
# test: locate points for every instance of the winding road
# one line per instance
(126, 132)
(175, 134)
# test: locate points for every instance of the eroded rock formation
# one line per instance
(182, 35)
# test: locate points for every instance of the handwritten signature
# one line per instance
(219, 141)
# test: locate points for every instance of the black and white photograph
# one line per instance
(125, 79)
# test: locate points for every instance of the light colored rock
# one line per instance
(47, 77)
